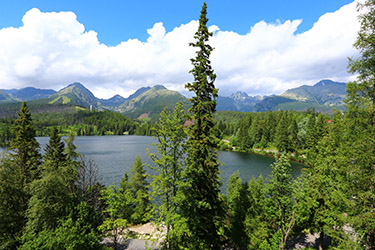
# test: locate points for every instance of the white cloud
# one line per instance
(52, 50)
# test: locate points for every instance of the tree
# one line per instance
(361, 112)
(54, 151)
(169, 163)
(238, 203)
(12, 207)
(282, 138)
(16, 174)
(280, 205)
(25, 148)
(52, 194)
(75, 232)
(118, 210)
(138, 186)
(256, 224)
(51, 199)
(202, 204)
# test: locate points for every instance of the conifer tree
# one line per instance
(282, 138)
(280, 206)
(202, 204)
(54, 151)
(361, 113)
(16, 174)
(169, 163)
(26, 154)
(138, 186)
(256, 224)
(238, 202)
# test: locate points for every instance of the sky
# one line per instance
(117, 46)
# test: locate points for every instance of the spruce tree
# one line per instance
(280, 205)
(361, 113)
(238, 202)
(16, 175)
(202, 204)
(138, 186)
(282, 138)
(54, 151)
(25, 148)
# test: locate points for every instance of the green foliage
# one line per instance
(138, 186)
(282, 138)
(202, 205)
(54, 151)
(118, 210)
(16, 175)
(238, 203)
(51, 198)
(13, 204)
(74, 233)
(256, 225)
(165, 184)
(280, 206)
(25, 149)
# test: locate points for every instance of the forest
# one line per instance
(56, 201)
(79, 122)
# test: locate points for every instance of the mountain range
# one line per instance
(148, 102)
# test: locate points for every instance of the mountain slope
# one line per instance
(5, 98)
(238, 101)
(150, 102)
(323, 96)
(75, 94)
(111, 102)
(325, 92)
(29, 93)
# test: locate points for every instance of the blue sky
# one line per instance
(118, 46)
(119, 20)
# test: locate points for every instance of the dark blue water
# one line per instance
(115, 155)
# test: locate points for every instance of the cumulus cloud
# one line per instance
(53, 49)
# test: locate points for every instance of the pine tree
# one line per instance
(280, 206)
(202, 204)
(16, 175)
(282, 138)
(12, 205)
(238, 202)
(54, 151)
(52, 194)
(138, 186)
(256, 224)
(361, 112)
(26, 154)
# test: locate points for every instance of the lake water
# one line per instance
(115, 155)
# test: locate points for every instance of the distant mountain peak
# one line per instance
(326, 82)
(158, 87)
(239, 96)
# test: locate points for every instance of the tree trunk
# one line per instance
(321, 238)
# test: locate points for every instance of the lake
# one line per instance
(115, 155)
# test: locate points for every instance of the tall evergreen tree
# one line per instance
(25, 148)
(282, 138)
(361, 112)
(16, 175)
(138, 186)
(279, 190)
(202, 204)
(54, 151)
